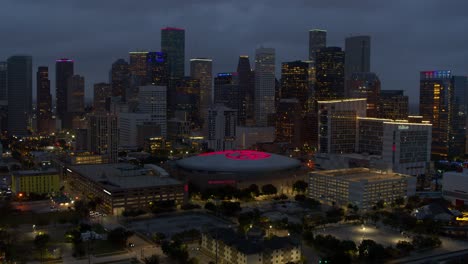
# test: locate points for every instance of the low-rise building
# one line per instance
(231, 247)
(43, 181)
(362, 187)
(455, 187)
(123, 186)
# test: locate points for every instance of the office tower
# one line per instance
(101, 99)
(103, 135)
(19, 94)
(264, 85)
(44, 102)
(158, 69)
(246, 91)
(201, 69)
(128, 129)
(317, 41)
(458, 142)
(153, 100)
(403, 146)
(357, 55)
(186, 103)
(222, 122)
(337, 124)
(436, 105)
(393, 104)
(3, 95)
(173, 44)
(3, 80)
(294, 82)
(138, 67)
(227, 91)
(63, 71)
(75, 94)
(329, 73)
(288, 122)
(365, 85)
(119, 78)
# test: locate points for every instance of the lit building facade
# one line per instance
(104, 135)
(158, 69)
(329, 73)
(359, 186)
(46, 181)
(317, 41)
(186, 103)
(288, 122)
(201, 69)
(393, 104)
(436, 105)
(357, 56)
(153, 100)
(119, 78)
(365, 85)
(246, 91)
(45, 123)
(337, 124)
(295, 83)
(264, 85)
(101, 99)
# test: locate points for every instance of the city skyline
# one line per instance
(398, 53)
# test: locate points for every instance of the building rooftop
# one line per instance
(35, 172)
(124, 176)
(251, 246)
(362, 174)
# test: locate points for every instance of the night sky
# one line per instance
(407, 36)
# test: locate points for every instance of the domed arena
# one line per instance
(241, 168)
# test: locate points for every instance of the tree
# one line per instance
(175, 250)
(81, 208)
(210, 206)
(119, 236)
(380, 204)
(404, 246)
(41, 241)
(269, 189)
(254, 190)
(300, 186)
(371, 251)
(400, 201)
(154, 259)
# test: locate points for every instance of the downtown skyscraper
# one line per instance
(173, 44)
(246, 91)
(317, 41)
(357, 57)
(329, 74)
(264, 86)
(64, 69)
(19, 94)
(202, 69)
(157, 68)
(45, 124)
(119, 78)
(3, 95)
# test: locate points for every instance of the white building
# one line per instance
(246, 137)
(222, 123)
(153, 100)
(264, 104)
(337, 124)
(128, 124)
(359, 186)
(455, 187)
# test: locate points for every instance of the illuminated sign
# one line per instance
(69, 170)
(403, 127)
(106, 191)
(240, 154)
(224, 74)
(214, 182)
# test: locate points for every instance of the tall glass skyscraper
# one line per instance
(436, 106)
(3, 80)
(44, 101)
(158, 68)
(294, 82)
(173, 44)
(19, 94)
(264, 86)
(357, 56)
(329, 74)
(119, 78)
(317, 41)
(246, 90)
(64, 69)
(202, 69)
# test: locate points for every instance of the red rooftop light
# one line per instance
(240, 154)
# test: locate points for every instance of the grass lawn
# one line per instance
(38, 219)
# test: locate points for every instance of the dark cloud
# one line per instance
(407, 36)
